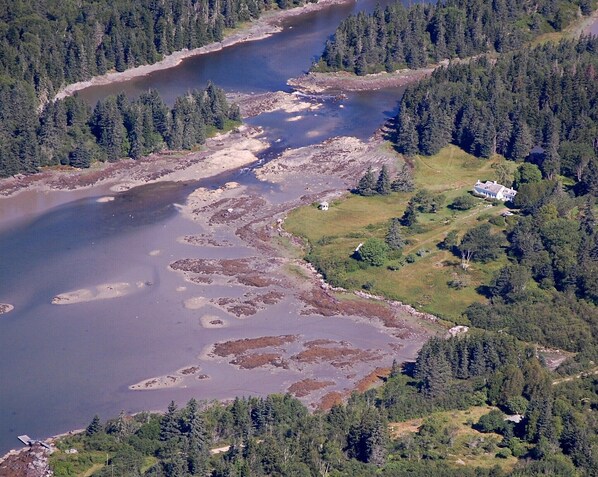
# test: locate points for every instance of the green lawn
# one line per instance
(334, 234)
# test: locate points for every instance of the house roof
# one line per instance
(490, 186)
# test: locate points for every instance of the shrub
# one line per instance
(464, 202)
(373, 252)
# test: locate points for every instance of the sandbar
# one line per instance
(196, 303)
(104, 291)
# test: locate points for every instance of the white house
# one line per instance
(492, 190)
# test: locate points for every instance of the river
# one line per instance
(59, 365)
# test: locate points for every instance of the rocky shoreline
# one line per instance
(340, 82)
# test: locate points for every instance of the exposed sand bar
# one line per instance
(179, 378)
(105, 291)
(224, 152)
(264, 27)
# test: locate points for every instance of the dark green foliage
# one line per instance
(373, 252)
(409, 218)
(383, 183)
(510, 282)
(367, 184)
(414, 36)
(46, 45)
(69, 133)
(510, 106)
(450, 242)
(426, 202)
(480, 244)
(527, 174)
(492, 422)
(94, 426)
(367, 438)
(278, 436)
(464, 202)
(404, 181)
(394, 237)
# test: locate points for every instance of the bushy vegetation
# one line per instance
(417, 35)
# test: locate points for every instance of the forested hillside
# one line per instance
(415, 36)
(538, 106)
(50, 43)
(544, 96)
(69, 132)
(277, 436)
(47, 44)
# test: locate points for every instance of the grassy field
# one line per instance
(333, 236)
(468, 446)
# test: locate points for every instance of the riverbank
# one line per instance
(342, 81)
(267, 25)
(221, 153)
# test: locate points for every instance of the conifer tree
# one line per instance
(394, 238)
(404, 181)
(367, 184)
(383, 183)
(94, 426)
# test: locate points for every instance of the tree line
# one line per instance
(48, 43)
(543, 97)
(277, 436)
(535, 104)
(69, 132)
(414, 36)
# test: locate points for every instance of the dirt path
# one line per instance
(585, 374)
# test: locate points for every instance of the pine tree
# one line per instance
(169, 424)
(521, 141)
(367, 184)
(394, 238)
(94, 426)
(436, 376)
(404, 181)
(383, 183)
(410, 216)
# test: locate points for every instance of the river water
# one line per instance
(59, 365)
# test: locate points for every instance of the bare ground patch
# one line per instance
(204, 240)
(250, 304)
(340, 356)
(331, 399)
(343, 81)
(238, 347)
(307, 386)
(258, 360)
(251, 272)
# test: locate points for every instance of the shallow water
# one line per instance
(59, 365)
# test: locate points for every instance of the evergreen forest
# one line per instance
(69, 132)
(414, 36)
(48, 44)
